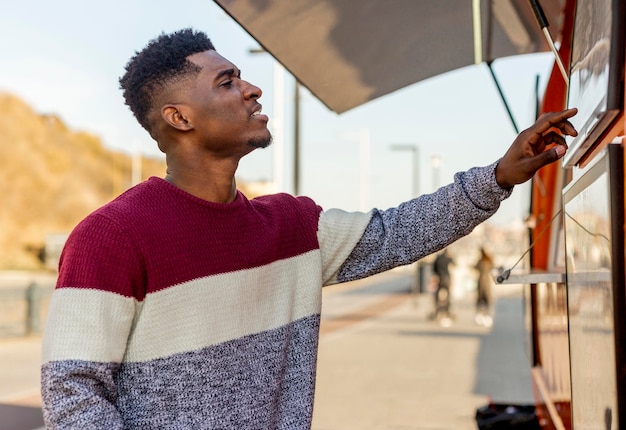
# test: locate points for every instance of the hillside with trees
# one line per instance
(50, 178)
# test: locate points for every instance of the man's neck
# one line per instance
(212, 188)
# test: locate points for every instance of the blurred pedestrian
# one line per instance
(484, 294)
(441, 268)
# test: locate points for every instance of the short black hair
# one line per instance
(163, 59)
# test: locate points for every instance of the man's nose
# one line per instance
(251, 91)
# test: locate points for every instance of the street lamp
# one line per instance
(419, 285)
(435, 162)
(296, 137)
(278, 126)
(415, 149)
(363, 139)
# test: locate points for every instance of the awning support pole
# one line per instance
(506, 104)
(543, 24)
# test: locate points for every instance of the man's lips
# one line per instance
(256, 113)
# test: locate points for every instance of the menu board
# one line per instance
(594, 249)
(596, 72)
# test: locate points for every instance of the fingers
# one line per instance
(547, 157)
(554, 137)
(558, 120)
(556, 145)
(541, 144)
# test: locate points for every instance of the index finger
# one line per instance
(557, 120)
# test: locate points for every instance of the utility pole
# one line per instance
(416, 172)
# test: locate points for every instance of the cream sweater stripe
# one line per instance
(338, 233)
(86, 324)
(185, 317)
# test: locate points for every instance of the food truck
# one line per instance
(574, 269)
(576, 313)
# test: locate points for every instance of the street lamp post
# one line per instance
(435, 162)
(296, 137)
(363, 139)
(415, 150)
(278, 127)
(418, 285)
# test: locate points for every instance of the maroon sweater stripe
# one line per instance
(175, 237)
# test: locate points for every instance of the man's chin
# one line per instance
(261, 142)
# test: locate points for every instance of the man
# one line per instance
(441, 268)
(484, 296)
(184, 305)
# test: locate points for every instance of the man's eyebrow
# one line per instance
(228, 72)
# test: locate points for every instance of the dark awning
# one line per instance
(348, 52)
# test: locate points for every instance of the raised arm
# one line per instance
(429, 223)
(535, 147)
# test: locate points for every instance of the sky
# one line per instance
(65, 58)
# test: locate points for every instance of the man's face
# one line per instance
(225, 111)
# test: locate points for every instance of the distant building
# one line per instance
(52, 249)
(255, 188)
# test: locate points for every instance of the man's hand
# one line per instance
(535, 147)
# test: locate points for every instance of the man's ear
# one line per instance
(175, 116)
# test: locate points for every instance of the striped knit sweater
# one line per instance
(171, 312)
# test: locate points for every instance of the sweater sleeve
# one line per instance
(424, 225)
(88, 325)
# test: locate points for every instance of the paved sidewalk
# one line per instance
(401, 370)
(20, 401)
